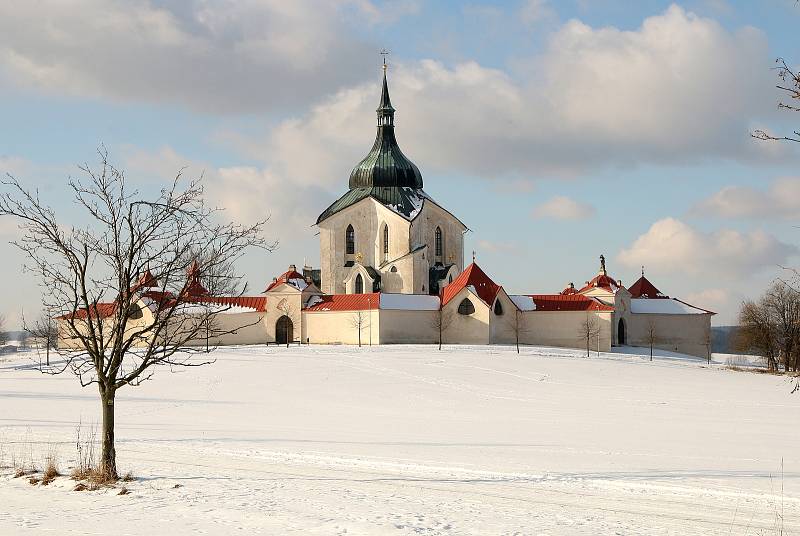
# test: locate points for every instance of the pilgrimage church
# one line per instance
(392, 271)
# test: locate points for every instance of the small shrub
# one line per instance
(128, 477)
(80, 487)
(124, 491)
(33, 480)
(50, 467)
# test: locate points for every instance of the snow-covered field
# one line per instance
(410, 440)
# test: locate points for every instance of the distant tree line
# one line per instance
(770, 327)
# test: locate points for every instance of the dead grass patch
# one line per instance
(124, 491)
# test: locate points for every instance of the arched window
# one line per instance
(350, 239)
(498, 308)
(466, 307)
(359, 284)
(438, 242)
(385, 242)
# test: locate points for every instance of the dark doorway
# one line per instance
(621, 332)
(284, 330)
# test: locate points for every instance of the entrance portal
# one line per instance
(621, 332)
(284, 330)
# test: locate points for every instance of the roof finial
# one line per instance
(473, 256)
(384, 53)
(603, 264)
(643, 270)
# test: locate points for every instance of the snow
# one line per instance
(663, 306)
(409, 302)
(409, 440)
(313, 300)
(297, 283)
(523, 303)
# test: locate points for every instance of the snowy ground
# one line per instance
(409, 440)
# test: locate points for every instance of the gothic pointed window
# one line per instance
(359, 284)
(350, 240)
(385, 243)
(498, 308)
(466, 307)
(438, 242)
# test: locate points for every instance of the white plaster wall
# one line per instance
(687, 334)
(468, 329)
(563, 329)
(336, 327)
(408, 327)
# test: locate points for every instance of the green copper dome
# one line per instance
(385, 166)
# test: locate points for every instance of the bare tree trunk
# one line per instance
(516, 328)
(440, 336)
(47, 352)
(359, 335)
(108, 456)
(651, 351)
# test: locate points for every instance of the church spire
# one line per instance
(385, 109)
(385, 166)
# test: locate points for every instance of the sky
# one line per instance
(556, 131)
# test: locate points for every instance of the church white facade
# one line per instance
(392, 271)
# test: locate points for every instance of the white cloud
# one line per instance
(535, 11)
(781, 200)
(714, 299)
(672, 246)
(601, 97)
(563, 208)
(217, 56)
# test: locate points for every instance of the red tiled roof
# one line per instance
(347, 302)
(259, 303)
(603, 281)
(101, 310)
(570, 289)
(285, 277)
(569, 302)
(485, 288)
(645, 289)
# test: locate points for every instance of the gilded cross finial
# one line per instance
(384, 53)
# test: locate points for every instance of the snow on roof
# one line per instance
(410, 302)
(292, 277)
(669, 306)
(523, 303)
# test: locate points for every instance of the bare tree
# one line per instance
(757, 333)
(789, 84)
(518, 325)
(360, 321)
(45, 331)
(588, 330)
(441, 322)
(651, 335)
(92, 277)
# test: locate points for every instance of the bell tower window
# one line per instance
(350, 240)
(438, 246)
(385, 243)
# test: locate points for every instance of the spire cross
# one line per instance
(384, 53)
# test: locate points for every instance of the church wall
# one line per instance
(247, 328)
(423, 230)
(563, 329)
(502, 326)
(336, 327)
(686, 334)
(409, 327)
(468, 329)
(333, 256)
